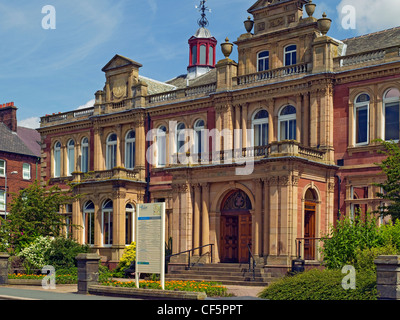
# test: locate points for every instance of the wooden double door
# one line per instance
(309, 231)
(235, 237)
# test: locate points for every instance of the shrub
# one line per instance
(34, 256)
(322, 285)
(62, 252)
(128, 256)
(341, 243)
(364, 259)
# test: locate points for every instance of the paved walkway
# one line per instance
(69, 292)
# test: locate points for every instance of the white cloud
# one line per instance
(88, 104)
(32, 123)
(373, 15)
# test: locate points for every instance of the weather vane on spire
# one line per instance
(203, 22)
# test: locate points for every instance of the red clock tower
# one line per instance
(202, 48)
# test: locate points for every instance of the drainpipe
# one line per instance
(147, 162)
(339, 190)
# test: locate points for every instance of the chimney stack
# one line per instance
(8, 115)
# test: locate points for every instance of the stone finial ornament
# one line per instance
(324, 24)
(227, 48)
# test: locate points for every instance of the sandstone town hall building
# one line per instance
(306, 108)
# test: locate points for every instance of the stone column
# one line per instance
(196, 218)
(88, 271)
(244, 126)
(257, 228)
(3, 268)
(205, 219)
(388, 277)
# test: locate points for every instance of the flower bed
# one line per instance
(60, 278)
(212, 289)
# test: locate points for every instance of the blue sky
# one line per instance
(51, 71)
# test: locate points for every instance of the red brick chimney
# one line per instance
(8, 115)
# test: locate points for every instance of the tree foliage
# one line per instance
(34, 212)
(391, 186)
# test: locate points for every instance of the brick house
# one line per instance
(19, 156)
(295, 97)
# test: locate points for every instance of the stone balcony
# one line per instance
(288, 148)
(106, 175)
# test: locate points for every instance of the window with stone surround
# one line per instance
(361, 118)
(130, 150)
(85, 155)
(111, 151)
(26, 171)
(290, 55)
(263, 61)
(391, 114)
(287, 124)
(88, 223)
(107, 223)
(57, 160)
(261, 128)
(70, 157)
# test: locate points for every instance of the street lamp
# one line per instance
(5, 191)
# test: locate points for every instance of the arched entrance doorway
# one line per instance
(310, 212)
(235, 227)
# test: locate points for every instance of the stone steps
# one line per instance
(227, 274)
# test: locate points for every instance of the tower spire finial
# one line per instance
(203, 22)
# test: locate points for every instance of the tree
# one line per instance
(391, 186)
(34, 212)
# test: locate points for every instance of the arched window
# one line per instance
(263, 61)
(261, 127)
(287, 123)
(129, 224)
(57, 159)
(180, 137)
(199, 139)
(161, 141)
(88, 223)
(391, 114)
(111, 151)
(290, 55)
(107, 223)
(70, 157)
(361, 117)
(130, 150)
(85, 155)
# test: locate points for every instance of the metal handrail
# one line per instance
(191, 250)
(254, 262)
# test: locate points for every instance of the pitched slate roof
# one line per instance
(23, 141)
(373, 41)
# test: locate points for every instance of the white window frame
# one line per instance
(161, 144)
(257, 141)
(89, 212)
(130, 150)
(57, 159)
(361, 105)
(385, 102)
(3, 201)
(85, 155)
(70, 157)
(199, 137)
(111, 152)
(131, 212)
(286, 52)
(26, 171)
(3, 168)
(109, 213)
(286, 119)
(264, 59)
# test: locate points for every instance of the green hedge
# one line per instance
(322, 285)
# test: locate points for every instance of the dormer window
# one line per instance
(263, 61)
(290, 55)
